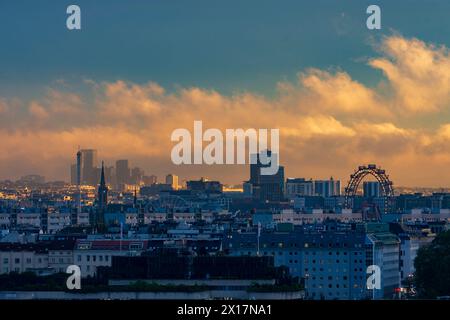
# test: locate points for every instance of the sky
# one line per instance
(341, 95)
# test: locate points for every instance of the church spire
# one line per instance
(102, 178)
(102, 190)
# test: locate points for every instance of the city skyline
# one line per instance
(381, 97)
(225, 151)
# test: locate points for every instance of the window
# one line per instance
(17, 260)
(88, 258)
(106, 258)
(100, 258)
(84, 246)
(29, 260)
(136, 246)
(79, 258)
(5, 260)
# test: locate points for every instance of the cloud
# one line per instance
(418, 73)
(329, 122)
(37, 111)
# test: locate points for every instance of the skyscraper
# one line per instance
(122, 173)
(78, 168)
(88, 166)
(371, 189)
(266, 187)
(78, 180)
(149, 180)
(136, 176)
(327, 188)
(73, 174)
(172, 180)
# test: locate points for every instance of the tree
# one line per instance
(432, 276)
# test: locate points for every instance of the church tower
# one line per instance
(102, 191)
(102, 203)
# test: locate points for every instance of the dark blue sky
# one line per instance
(231, 45)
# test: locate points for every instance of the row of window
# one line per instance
(94, 258)
(27, 260)
(344, 278)
(337, 253)
(330, 261)
(60, 253)
(306, 245)
(61, 260)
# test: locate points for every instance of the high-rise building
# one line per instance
(327, 188)
(78, 182)
(78, 169)
(299, 187)
(122, 172)
(88, 166)
(172, 180)
(149, 180)
(136, 176)
(73, 174)
(266, 187)
(371, 189)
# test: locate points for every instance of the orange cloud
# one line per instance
(329, 123)
(418, 73)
